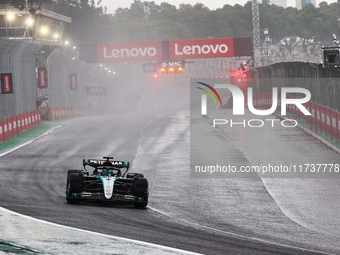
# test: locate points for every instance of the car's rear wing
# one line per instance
(101, 162)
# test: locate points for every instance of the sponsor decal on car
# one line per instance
(101, 162)
(108, 184)
(86, 194)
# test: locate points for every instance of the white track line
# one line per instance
(100, 234)
(241, 236)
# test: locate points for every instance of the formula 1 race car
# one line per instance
(107, 183)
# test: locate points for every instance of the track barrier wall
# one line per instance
(68, 82)
(19, 107)
(323, 83)
(17, 58)
(324, 119)
(19, 110)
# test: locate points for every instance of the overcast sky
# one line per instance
(113, 5)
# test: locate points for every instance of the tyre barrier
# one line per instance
(15, 125)
(59, 113)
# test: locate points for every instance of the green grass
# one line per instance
(29, 135)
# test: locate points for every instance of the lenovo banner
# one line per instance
(6, 83)
(42, 78)
(210, 48)
(166, 50)
(202, 48)
(73, 81)
(132, 51)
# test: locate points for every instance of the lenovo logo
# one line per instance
(42, 78)
(6, 83)
(202, 48)
(7, 86)
(73, 80)
(198, 49)
(130, 53)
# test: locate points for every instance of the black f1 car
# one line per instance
(107, 183)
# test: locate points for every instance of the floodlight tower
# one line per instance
(339, 16)
(256, 34)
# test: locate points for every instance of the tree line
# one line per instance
(147, 21)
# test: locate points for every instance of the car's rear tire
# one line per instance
(141, 189)
(74, 185)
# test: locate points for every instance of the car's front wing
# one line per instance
(100, 196)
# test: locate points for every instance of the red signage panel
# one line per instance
(15, 127)
(6, 83)
(33, 118)
(313, 111)
(334, 124)
(42, 78)
(23, 126)
(26, 121)
(131, 51)
(5, 129)
(201, 48)
(328, 120)
(19, 123)
(10, 127)
(243, 47)
(1, 131)
(323, 117)
(73, 81)
(38, 116)
(29, 118)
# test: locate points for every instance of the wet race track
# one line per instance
(204, 215)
